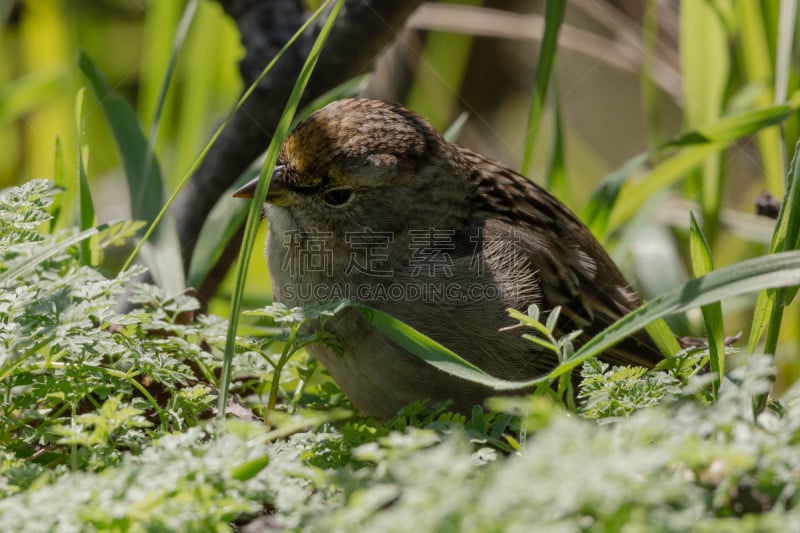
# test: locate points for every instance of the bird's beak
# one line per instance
(277, 187)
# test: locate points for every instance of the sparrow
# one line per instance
(368, 202)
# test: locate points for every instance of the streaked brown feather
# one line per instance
(592, 296)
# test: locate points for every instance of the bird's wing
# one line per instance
(572, 268)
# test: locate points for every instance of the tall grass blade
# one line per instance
(60, 181)
(425, 348)
(663, 337)
(221, 225)
(783, 60)
(779, 270)
(85, 204)
(145, 187)
(180, 37)
(757, 68)
(254, 215)
(597, 212)
(769, 309)
(649, 89)
(787, 20)
(454, 130)
(695, 146)
(556, 177)
(143, 174)
(705, 64)
(702, 264)
(554, 16)
(608, 210)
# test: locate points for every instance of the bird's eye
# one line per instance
(338, 197)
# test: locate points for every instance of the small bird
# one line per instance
(370, 203)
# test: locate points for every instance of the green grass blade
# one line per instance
(556, 175)
(426, 348)
(85, 205)
(733, 127)
(254, 215)
(761, 314)
(554, 16)
(143, 173)
(784, 237)
(663, 337)
(180, 37)
(666, 173)
(146, 188)
(702, 264)
(161, 21)
(705, 64)
(779, 270)
(695, 146)
(60, 180)
(649, 89)
(597, 212)
(454, 130)
(783, 61)
(756, 61)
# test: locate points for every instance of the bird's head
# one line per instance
(359, 163)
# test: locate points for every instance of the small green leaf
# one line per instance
(250, 469)
(533, 312)
(424, 347)
(552, 318)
